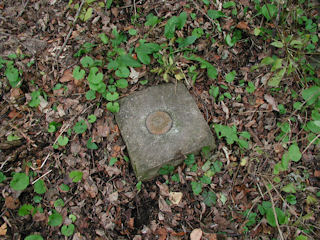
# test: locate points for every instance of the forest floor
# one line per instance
(251, 66)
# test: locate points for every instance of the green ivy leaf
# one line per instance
(127, 60)
(63, 140)
(122, 83)
(196, 187)
(144, 49)
(80, 127)
(95, 77)
(113, 107)
(19, 182)
(40, 187)
(55, 219)
(209, 198)
(25, 210)
(294, 153)
(87, 62)
(76, 176)
(67, 230)
(122, 72)
(64, 188)
(205, 179)
(12, 75)
(90, 95)
(35, 100)
(112, 96)
(166, 170)
(34, 237)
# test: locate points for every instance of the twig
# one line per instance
(274, 211)
(41, 177)
(44, 162)
(71, 30)
(24, 8)
(310, 143)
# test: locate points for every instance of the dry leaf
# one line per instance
(163, 205)
(12, 203)
(196, 234)
(242, 25)
(67, 76)
(175, 197)
(317, 173)
(91, 188)
(272, 102)
(134, 75)
(3, 229)
(225, 109)
(164, 189)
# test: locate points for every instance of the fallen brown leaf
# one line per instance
(196, 234)
(67, 76)
(3, 229)
(12, 203)
(242, 25)
(175, 197)
(163, 205)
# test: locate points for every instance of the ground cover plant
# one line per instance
(253, 69)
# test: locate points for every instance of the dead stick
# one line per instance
(71, 30)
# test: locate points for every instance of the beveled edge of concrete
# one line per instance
(188, 134)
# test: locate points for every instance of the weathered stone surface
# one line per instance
(159, 125)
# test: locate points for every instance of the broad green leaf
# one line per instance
(170, 27)
(91, 145)
(181, 20)
(166, 170)
(90, 95)
(229, 41)
(275, 80)
(64, 188)
(277, 64)
(151, 20)
(55, 219)
(88, 14)
(311, 94)
(34, 237)
(87, 61)
(63, 140)
(12, 75)
(267, 61)
(123, 72)
(58, 203)
(289, 188)
(230, 133)
(122, 83)
(92, 118)
(214, 14)
(112, 161)
(112, 96)
(209, 198)
(205, 179)
(25, 210)
(78, 73)
(196, 187)
(285, 161)
(127, 60)
(104, 38)
(144, 49)
(76, 176)
(301, 237)
(2, 177)
(229, 4)
(271, 218)
(19, 182)
(187, 41)
(80, 127)
(230, 76)
(67, 230)
(269, 11)
(294, 153)
(35, 100)
(95, 76)
(40, 187)
(214, 91)
(190, 160)
(113, 107)
(277, 44)
(291, 199)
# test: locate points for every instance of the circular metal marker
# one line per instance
(159, 122)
